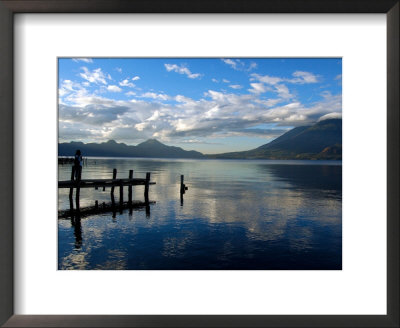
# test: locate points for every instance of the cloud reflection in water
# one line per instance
(235, 215)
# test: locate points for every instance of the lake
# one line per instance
(235, 215)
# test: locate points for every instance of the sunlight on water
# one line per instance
(236, 215)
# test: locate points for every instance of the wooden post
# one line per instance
(121, 197)
(77, 194)
(130, 188)
(112, 188)
(78, 189)
(121, 194)
(183, 189)
(146, 188)
(182, 185)
(71, 190)
(146, 194)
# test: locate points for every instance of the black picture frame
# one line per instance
(7, 10)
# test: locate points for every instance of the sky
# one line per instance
(212, 105)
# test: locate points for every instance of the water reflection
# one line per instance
(309, 177)
(236, 215)
(76, 223)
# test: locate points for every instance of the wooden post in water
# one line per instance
(112, 188)
(121, 197)
(146, 187)
(146, 194)
(71, 190)
(130, 188)
(121, 194)
(182, 185)
(78, 190)
(183, 189)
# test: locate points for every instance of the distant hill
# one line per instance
(322, 140)
(149, 148)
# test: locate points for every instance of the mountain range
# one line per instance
(322, 140)
(149, 148)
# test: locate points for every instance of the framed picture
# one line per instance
(196, 175)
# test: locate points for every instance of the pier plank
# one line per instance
(89, 183)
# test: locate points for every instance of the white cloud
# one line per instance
(215, 80)
(188, 118)
(329, 116)
(62, 92)
(126, 83)
(114, 88)
(86, 60)
(269, 102)
(230, 62)
(283, 91)
(226, 81)
(118, 69)
(235, 86)
(215, 95)
(95, 76)
(303, 77)
(252, 66)
(217, 114)
(135, 78)
(183, 99)
(154, 95)
(239, 65)
(299, 77)
(266, 79)
(69, 87)
(258, 88)
(182, 70)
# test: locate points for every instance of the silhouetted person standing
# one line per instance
(78, 164)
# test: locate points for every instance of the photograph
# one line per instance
(199, 163)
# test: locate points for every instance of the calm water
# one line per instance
(237, 214)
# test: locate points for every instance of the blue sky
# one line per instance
(211, 105)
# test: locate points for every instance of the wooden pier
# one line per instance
(70, 160)
(96, 183)
(77, 183)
